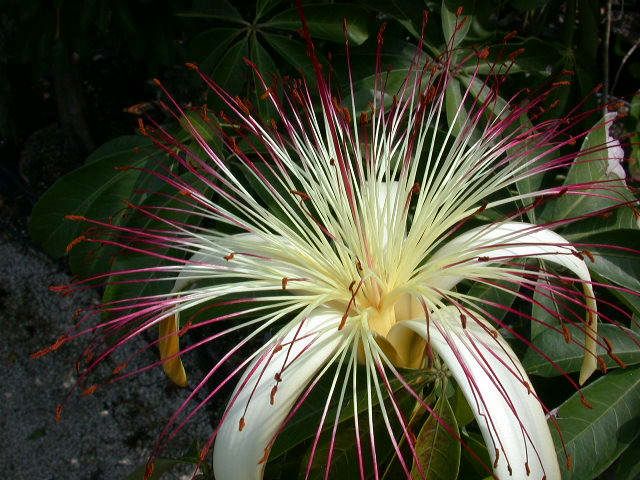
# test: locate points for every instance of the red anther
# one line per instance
(302, 195)
(185, 193)
(483, 54)
(495, 462)
(156, 82)
(528, 387)
(191, 65)
(277, 348)
(459, 11)
(602, 365)
(75, 242)
(526, 468)
(516, 53)
(241, 424)
(123, 168)
(243, 104)
(567, 72)
(187, 326)
(58, 415)
(343, 320)
(569, 462)
(266, 94)
(75, 218)
(285, 280)
(617, 359)
(277, 377)
(494, 334)
(265, 456)
(148, 470)
(272, 395)
(358, 265)
(554, 104)
(203, 453)
(510, 470)
(90, 390)
(119, 368)
(589, 255)
(510, 35)
(483, 259)
(608, 345)
(364, 118)
(585, 402)
(229, 257)
(350, 288)
(332, 161)
(463, 320)
(141, 127)
(578, 254)
(566, 333)
(561, 83)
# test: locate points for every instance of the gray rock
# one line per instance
(101, 436)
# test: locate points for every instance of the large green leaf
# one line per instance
(438, 451)
(594, 437)
(568, 356)
(615, 255)
(95, 190)
(591, 167)
(493, 295)
(629, 462)
(326, 22)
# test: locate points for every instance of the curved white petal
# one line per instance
(506, 241)
(498, 390)
(241, 454)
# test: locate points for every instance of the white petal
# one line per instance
(241, 454)
(510, 240)
(492, 379)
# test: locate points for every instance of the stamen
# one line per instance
(229, 257)
(285, 280)
(566, 333)
(58, 415)
(90, 390)
(241, 424)
(148, 471)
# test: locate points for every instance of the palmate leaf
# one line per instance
(594, 437)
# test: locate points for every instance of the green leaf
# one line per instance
(454, 28)
(293, 52)
(304, 424)
(208, 47)
(438, 451)
(126, 260)
(453, 103)
(230, 72)
(629, 462)
(568, 356)
(95, 190)
(265, 6)
(218, 10)
(489, 293)
(595, 437)
(326, 22)
(592, 166)
(618, 265)
(267, 68)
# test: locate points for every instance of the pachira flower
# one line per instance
(349, 241)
